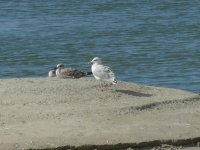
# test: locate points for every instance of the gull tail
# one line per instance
(114, 81)
(88, 73)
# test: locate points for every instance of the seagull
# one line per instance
(52, 73)
(101, 72)
(63, 72)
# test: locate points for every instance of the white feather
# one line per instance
(101, 72)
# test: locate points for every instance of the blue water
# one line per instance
(147, 42)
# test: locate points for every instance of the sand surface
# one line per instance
(51, 112)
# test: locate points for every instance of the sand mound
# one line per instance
(51, 112)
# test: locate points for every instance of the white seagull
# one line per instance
(101, 72)
(63, 72)
(52, 73)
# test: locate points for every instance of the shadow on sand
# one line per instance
(133, 93)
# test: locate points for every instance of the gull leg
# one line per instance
(101, 85)
(105, 85)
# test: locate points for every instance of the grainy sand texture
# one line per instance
(51, 112)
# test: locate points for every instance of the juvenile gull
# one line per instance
(52, 73)
(101, 72)
(63, 72)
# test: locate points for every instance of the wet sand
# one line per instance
(50, 112)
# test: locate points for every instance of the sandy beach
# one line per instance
(50, 112)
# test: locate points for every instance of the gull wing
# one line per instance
(104, 73)
(71, 73)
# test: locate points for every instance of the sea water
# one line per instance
(147, 42)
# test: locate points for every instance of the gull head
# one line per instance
(61, 66)
(96, 60)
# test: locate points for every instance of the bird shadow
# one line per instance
(133, 93)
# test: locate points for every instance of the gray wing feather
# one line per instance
(105, 73)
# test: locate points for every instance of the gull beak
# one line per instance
(90, 62)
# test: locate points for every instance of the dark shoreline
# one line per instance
(179, 143)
